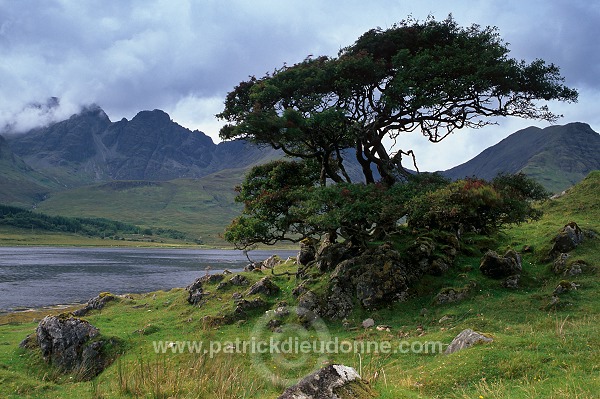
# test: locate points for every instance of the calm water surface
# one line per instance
(44, 276)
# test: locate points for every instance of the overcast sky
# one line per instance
(184, 56)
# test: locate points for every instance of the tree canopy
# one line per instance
(433, 76)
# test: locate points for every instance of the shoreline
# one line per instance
(32, 315)
(41, 308)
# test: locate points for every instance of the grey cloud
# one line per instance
(564, 33)
(128, 56)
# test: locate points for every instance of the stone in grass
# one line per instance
(195, 293)
(71, 345)
(368, 323)
(281, 311)
(95, 303)
(335, 381)
(567, 239)
(512, 282)
(239, 280)
(242, 306)
(496, 266)
(263, 286)
(453, 294)
(554, 303)
(563, 287)
(575, 269)
(466, 339)
(560, 263)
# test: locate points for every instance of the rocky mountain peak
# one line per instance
(154, 116)
(92, 111)
(88, 148)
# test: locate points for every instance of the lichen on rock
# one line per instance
(335, 381)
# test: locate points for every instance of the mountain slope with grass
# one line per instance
(19, 183)
(198, 207)
(149, 171)
(556, 156)
(541, 347)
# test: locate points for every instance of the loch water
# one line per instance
(33, 277)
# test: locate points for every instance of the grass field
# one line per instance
(199, 207)
(11, 236)
(539, 351)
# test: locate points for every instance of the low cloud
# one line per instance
(35, 115)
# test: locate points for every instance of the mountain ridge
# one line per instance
(557, 156)
(152, 172)
(88, 148)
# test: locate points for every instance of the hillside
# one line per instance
(557, 156)
(539, 350)
(199, 207)
(19, 183)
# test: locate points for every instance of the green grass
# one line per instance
(199, 207)
(12, 236)
(21, 186)
(537, 351)
(546, 169)
(580, 204)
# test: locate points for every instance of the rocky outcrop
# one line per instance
(372, 279)
(72, 345)
(375, 278)
(242, 306)
(308, 303)
(263, 286)
(195, 292)
(308, 252)
(95, 303)
(496, 266)
(466, 339)
(271, 262)
(329, 255)
(335, 381)
(567, 239)
(212, 278)
(452, 294)
(239, 280)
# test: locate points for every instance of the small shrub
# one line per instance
(477, 205)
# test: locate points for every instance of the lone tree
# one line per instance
(433, 76)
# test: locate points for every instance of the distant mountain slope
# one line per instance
(557, 156)
(152, 172)
(89, 148)
(199, 207)
(19, 184)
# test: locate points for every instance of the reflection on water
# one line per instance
(43, 276)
